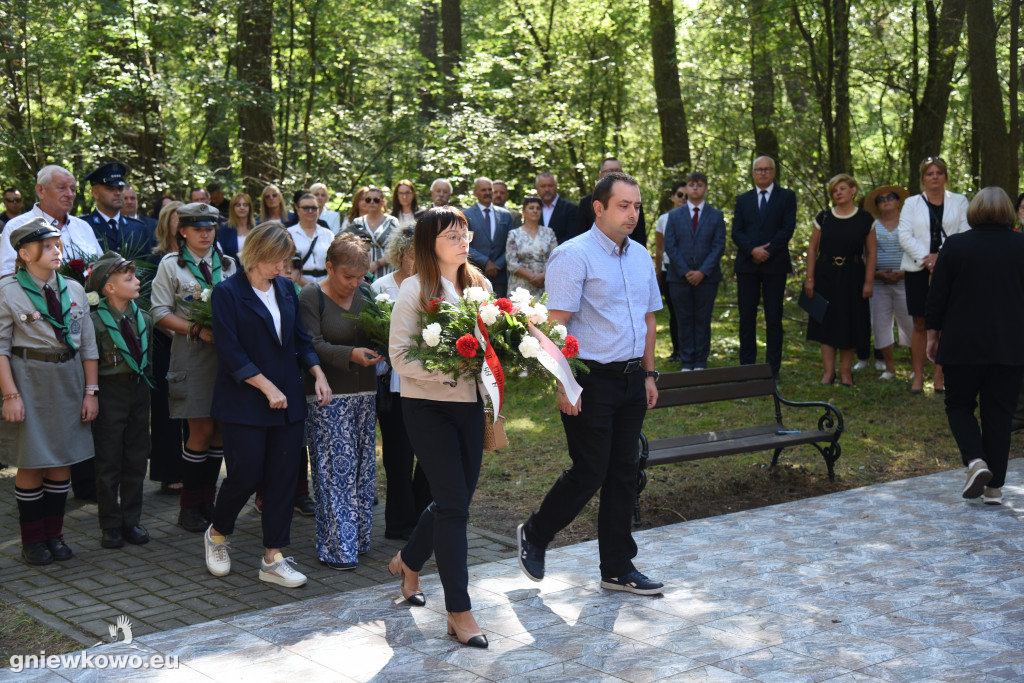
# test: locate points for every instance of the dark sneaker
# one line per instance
(633, 582)
(191, 519)
(531, 558)
(304, 506)
(978, 475)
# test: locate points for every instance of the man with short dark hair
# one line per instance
(114, 230)
(131, 209)
(499, 197)
(602, 287)
(763, 222)
(217, 198)
(557, 213)
(585, 215)
(12, 205)
(198, 195)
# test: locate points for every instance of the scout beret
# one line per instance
(198, 213)
(101, 270)
(111, 174)
(36, 230)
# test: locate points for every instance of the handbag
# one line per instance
(494, 432)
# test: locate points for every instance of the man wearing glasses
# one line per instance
(762, 225)
(12, 205)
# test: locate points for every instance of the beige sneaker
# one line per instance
(978, 475)
(993, 496)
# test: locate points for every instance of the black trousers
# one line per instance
(120, 435)
(165, 432)
(995, 389)
(768, 289)
(448, 438)
(408, 493)
(255, 454)
(604, 445)
(673, 325)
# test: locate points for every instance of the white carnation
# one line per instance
(383, 297)
(521, 296)
(489, 313)
(477, 295)
(432, 334)
(529, 347)
(559, 331)
(538, 314)
(93, 298)
(204, 296)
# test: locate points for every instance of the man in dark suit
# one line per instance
(490, 225)
(556, 213)
(115, 231)
(500, 196)
(131, 209)
(585, 215)
(762, 225)
(694, 244)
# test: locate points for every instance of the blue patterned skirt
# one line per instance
(343, 462)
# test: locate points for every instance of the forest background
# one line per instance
(352, 93)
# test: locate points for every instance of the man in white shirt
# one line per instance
(557, 213)
(55, 188)
(441, 192)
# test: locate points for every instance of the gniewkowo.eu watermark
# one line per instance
(88, 660)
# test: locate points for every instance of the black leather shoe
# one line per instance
(136, 535)
(59, 549)
(112, 538)
(304, 506)
(36, 553)
(191, 519)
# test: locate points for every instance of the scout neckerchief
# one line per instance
(215, 275)
(115, 335)
(37, 299)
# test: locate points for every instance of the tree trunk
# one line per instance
(841, 160)
(675, 140)
(451, 34)
(1014, 88)
(995, 151)
(930, 111)
(762, 101)
(255, 106)
(428, 50)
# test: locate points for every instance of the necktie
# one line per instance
(764, 202)
(131, 340)
(695, 210)
(53, 308)
(487, 217)
(204, 268)
(113, 228)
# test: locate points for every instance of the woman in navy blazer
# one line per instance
(259, 398)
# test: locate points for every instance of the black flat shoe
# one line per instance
(59, 549)
(191, 519)
(136, 535)
(830, 382)
(37, 554)
(112, 538)
(340, 566)
(304, 506)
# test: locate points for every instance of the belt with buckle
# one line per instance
(45, 356)
(625, 366)
(840, 261)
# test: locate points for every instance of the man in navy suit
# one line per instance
(762, 225)
(694, 243)
(490, 225)
(131, 209)
(557, 213)
(115, 231)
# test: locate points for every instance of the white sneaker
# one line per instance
(993, 496)
(879, 365)
(886, 376)
(860, 365)
(281, 572)
(218, 562)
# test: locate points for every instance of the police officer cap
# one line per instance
(111, 174)
(102, 268)
(36, 230)
(197, 213)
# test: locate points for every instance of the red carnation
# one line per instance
(77, 265)
(434, 307)
(571, 348)
(467, 345)
(504, 304)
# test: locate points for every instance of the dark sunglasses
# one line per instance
(681, 195)
(891, 197)
(928, 160)
(372, 200)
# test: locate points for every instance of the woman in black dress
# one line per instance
(841, 267)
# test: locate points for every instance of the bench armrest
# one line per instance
(832, 419)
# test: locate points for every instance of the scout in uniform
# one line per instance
(182, 276)
(113, 229)
(48, 371)
(120, 434)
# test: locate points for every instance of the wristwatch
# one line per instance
(653, 373)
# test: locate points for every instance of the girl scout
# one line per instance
(48, 375)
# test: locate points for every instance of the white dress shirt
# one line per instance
(76, 234)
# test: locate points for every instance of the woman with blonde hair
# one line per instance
(272, 207)
(166, 229)
(357, 209)
(241, 219)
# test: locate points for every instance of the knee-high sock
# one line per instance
(193, 468)
(30, 514)
(55, 497)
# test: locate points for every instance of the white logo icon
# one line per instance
(124, 626)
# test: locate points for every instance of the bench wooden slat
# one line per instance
(716, 392)
(739, 373)
(748, 444)
(719, 435)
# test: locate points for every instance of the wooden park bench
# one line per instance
(727, 384)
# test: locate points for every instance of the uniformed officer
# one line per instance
(120, 434)
(112, 229)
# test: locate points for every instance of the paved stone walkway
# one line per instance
(902, 581)
(164, 584)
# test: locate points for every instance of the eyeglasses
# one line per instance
(457, 237)
(405, 193)
(681, 195)
(928, 160)
(891, 197)
(309, 208)
(372, 200)
(764, 170)
(241, 205)
(16, 200)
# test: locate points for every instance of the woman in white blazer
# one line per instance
(926, 220)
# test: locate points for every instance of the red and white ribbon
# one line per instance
(551, 358)
(492, 376)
